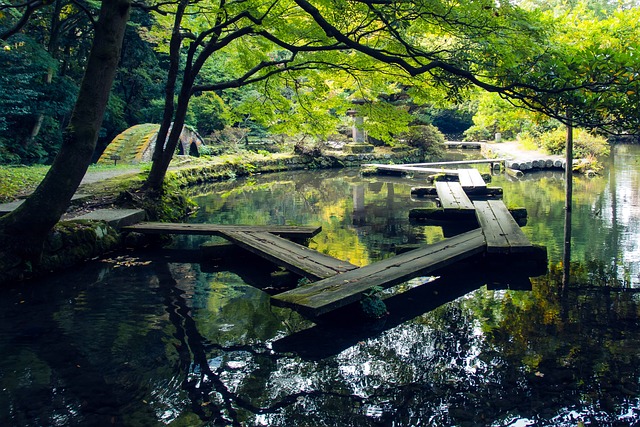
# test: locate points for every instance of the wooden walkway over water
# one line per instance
(326, 295)
(338, 283)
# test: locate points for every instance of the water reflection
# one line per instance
(169, 338)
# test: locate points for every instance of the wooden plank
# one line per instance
(329, 294)
(431, 191)
(217, 229)
(472, 181)
(452, 197)
(414, 169)
(454, 163)
(292, 256)
(501, 231)
(462, 144)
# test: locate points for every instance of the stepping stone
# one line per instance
(116, 218)
(5, 208)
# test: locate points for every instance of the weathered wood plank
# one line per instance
(458, 162)
(329, 294)
(472, 181)
(431, 191)
(292, 256)
(452, 197)
(463, 145)
(414, 169)
(217, 229)
(501, 231)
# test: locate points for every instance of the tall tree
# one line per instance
(25, 229)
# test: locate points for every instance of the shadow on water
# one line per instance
(65, 380)
(348, 326)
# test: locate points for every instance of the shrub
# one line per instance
(477, 133)
(426, 137)
(228, 140)
(585, 143)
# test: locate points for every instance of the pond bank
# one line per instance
(72, 242)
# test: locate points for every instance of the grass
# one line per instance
(18, 181)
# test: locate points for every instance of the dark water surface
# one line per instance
(153, 338)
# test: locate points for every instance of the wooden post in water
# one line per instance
(568, 174)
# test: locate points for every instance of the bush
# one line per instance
(426, 137)
(478, 133)
(228, 140)
(585, 144)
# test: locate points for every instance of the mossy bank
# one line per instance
(72, 241)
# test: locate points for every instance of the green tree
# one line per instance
(531, 58)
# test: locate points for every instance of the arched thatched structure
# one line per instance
(136, 144)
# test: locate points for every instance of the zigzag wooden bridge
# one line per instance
(338, 283)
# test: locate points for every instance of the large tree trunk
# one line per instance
(25, 229)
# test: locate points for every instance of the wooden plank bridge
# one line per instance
(334, 292)
(339, 283)
(292, 256)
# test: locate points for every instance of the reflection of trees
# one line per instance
(577, 348)
(57, 369)
(198, 348)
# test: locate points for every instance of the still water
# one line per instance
(168, 338)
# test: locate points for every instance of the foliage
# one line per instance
(426, 137)
(24, 96)
(206, 113)
(589, 72)
(227, 140)
(494, 114)
(585, 144)
(372, 305)
(452, 122)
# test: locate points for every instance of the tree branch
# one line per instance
(30, 8)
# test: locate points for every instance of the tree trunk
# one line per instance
(163, 159)
(25, 229)
(159, 166)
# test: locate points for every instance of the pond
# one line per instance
(166, 337)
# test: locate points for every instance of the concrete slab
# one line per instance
(116, 218)
(5, 208)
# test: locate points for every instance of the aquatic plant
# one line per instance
(372, 305)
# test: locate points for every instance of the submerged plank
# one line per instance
(217, 229)
(329, 294)
(292, 256)
(452, 197)
(502, 232)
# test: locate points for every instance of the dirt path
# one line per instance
(95, 176)
(512, 150)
